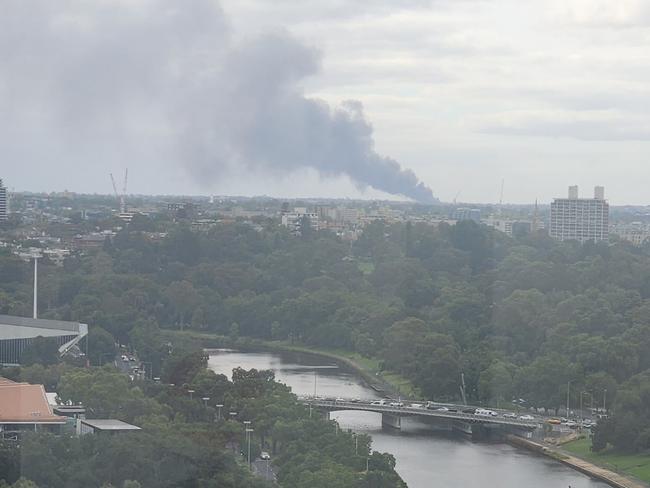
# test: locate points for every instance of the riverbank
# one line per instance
(597, 472)
(635, 465)
(383, 382)
(387, 382)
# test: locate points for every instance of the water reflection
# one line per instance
(426, 458)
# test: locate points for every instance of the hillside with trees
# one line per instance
(520, 317)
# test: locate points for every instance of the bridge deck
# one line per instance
(420, 412)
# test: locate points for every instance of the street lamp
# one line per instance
(191, 392)
(605, 401)
(568, 390)
(219, 407)
(205, 401)
(249, 432)
(144, 363)
(582, 414)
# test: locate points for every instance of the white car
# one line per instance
(378, 402)
(483, 412)
(416, 405)
(526, 417)
(509, 415)
(265, 455)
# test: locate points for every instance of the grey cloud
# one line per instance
(162, 80)
(595, 129)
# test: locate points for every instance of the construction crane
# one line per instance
(121, 197)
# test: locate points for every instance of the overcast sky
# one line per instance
(542, 94)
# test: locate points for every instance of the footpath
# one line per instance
(611, 478)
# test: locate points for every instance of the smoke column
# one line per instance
(162, 79)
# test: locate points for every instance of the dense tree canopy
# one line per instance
(519, 317)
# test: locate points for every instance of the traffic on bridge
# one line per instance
(467, 414)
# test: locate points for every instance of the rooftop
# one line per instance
(22, 403)
(109, 425)
(39, 323)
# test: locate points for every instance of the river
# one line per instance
(425, 458)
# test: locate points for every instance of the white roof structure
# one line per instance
(110, 425)
(16, 333)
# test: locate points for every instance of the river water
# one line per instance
(425, 458)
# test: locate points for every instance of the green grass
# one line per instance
(637, 465)
(366, 267)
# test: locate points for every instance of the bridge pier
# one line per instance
(390, 420)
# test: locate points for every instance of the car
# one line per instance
(132, 359)
(526, 417)
(355, 400)
(416, 405)
(265, 455)
(396, 404)
(441, 409)
(554, 421)
(378, 402)
(509, 415)
(483, 412)
(124, 358)
(340, 400)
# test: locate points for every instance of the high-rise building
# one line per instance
(3, 202)
(580, 219)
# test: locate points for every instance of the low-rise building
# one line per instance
(24, 407)
(111, 426)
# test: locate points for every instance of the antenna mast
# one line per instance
(501, 194)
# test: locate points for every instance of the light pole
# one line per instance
(191, 392)
(205, 401)
(605, 401)
(582, 414)
(249, 432)
(247, 424)
(367, 464)
(568, 390)
(144, 363)
(219, 407)
(356, 445)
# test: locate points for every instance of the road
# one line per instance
(264, 469)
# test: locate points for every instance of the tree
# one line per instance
(183, 298)
(399, 341)
(101, 345)
(41, 350)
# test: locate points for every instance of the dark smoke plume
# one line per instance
(163, 79)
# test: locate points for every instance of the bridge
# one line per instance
(392, 415)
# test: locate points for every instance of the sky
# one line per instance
(328, 98)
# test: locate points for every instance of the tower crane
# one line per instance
(121, 197)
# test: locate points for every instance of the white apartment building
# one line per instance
(3, 202)
(580, 219)
(293, 220)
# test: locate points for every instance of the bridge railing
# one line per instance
(405, 410)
